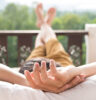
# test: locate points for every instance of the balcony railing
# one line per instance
(25, 43)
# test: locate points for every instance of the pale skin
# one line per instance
(59, 80)
(55, 80)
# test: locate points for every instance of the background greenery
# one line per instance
(18, 17)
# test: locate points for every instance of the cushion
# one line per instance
(83, 91)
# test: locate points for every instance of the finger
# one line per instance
(32, 74)
(82, 76)
(48, 80)
(37, 78)
(36, 74)
(33, 85)
(44, 76)
(53, 68)
(29, 79)
(73, 83)
(54, 72)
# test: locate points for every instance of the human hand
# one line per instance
(54, 80)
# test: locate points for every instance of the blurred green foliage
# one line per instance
(17, 17)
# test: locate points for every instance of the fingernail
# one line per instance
(36, 65)
(83, 75)
(43, 63)
(26, 72)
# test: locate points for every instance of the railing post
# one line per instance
(3, 49)
(75, 48)
(24, 47)
(90, 43)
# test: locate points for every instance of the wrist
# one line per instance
(73, 71)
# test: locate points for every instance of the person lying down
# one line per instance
(49, 67)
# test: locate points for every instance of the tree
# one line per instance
(71, 21)
(57, 24)
(18, 17)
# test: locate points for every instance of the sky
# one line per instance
(62, 5)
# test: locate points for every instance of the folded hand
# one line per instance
(55, 80)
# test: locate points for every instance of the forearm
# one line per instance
(7, 74)
(88, 69)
